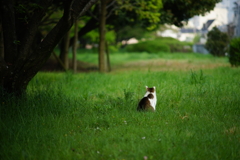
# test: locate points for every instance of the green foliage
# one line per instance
(127, 32)
(160, 45)
(177, 11)
(93, 38)
(147, 11)
(93, 116)
(217, 42)
(234, 52)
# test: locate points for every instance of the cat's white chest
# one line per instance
(153, 101)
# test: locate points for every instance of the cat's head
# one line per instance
(152, 90)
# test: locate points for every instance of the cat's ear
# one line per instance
(154, 88)
(146, 87)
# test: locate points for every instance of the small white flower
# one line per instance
(143, 137)
(98, 152)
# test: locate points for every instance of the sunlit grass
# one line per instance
(119, 58)
(93, 116)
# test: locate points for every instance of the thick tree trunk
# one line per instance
(22, 62)
(102, 31)
(1, 41)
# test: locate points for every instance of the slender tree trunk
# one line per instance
(64, 53)
(108, 58)
(75, 44)
(102, 31)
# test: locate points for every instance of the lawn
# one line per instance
(93, 116)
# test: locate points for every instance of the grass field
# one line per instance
(93, 116)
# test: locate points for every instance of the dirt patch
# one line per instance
(167, 65)
(52, 66)
(143, 65)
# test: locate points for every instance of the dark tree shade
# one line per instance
(25, 51)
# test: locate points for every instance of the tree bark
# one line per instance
(1, 41)
(59, 61)
(22, 62)
(102, 31)
(64, 53)
(75, 43)
(108, 58)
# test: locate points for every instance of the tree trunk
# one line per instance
(65, 47)
(1, 41)
(21, 61)
(75, 44)
(102, 31)
(108, 58)
(59, 61)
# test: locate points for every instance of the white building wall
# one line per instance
(222, 13)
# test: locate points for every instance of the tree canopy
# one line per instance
(177, 11)
(125, 14)
(24, 49)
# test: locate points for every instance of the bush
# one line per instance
(234, 52)
(217, 42)
(160, 45)
(176, 45)
(148, 46)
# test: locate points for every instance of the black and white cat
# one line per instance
(149, 101)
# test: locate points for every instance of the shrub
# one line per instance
(217, 42)
(162, 44)
(148, 46)
(234, 52)
(176, 45)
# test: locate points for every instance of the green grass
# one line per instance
(93, 115)
(123, 57)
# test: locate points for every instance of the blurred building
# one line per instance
(236, 19)
(225, 16)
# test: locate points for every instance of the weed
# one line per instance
(197, 78)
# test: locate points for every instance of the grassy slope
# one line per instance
(93, 116)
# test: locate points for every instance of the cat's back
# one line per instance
(145, 104)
